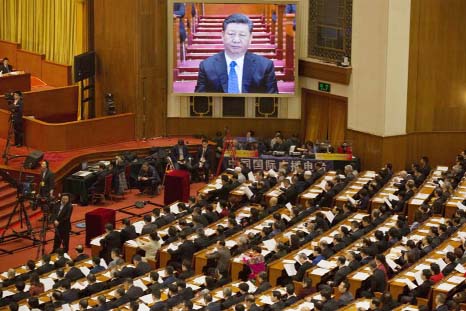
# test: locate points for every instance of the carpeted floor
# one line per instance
(24, 249)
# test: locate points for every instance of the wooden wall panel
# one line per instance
(47, 104)
(56, 74)
(115, 30)
(238, 127)
(130, 42)
(401, 151)
(30, 62)
(367, 147)
(8, 49)
(437, 66)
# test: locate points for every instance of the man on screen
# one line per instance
(235, 70)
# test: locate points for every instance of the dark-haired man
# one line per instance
(235, 70)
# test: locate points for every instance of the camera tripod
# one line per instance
(45, 207)
(23, 217)
(11, 132)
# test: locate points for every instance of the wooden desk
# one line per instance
(303, 303)
(164, 255)
(200, 258)
(15, 82)
(315, 189)
(448, 285)
(354, 187)
(458, 195)
(276, 268)
(424, 192)
(397, 284)
(364, 303)
(213, 185)
(388, 189)
(316, 273)
(393, 252)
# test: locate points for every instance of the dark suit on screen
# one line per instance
(258, 75)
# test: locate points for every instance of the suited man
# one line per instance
(46, 265)
(141, 266)
(62, 223)
(128, 232)
(180, 156)
(235, 70)
(223, 256)
(132, 292)
(440, 302)
(5, 67)
(263, 284)
(305, 264)
(93, 286)
(148, 178)
(204, 157)
(17, 111)
(185, 250)
(110, 241)
(342, 271)
(47, 182)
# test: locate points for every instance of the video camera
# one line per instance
(9, 97)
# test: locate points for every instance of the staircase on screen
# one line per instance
(207, 40)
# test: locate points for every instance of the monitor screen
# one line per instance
(233, 49)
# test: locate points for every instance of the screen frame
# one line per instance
(170, 38)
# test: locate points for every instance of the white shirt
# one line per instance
(238, 68)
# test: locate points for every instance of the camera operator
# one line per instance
(16, 109)
(62, 223)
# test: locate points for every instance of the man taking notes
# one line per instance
(235, 70)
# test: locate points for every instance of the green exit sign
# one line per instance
(324, 87)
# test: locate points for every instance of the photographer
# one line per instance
(16, 109)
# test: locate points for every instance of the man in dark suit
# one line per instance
(185, 250)
(148, 178)
(141, 266)
(62, 223)
(263, 283)
(17, 117)
(342, 271)
(305, 264)
(46, 265)
(80, 253)
(235, 70)
(73, 273)
(5, 67)
(93, 286)
(128, 232)
(180, 156)
(109, 242)
(132, 292)
(204, 158)
(69, 294)
(47, 182)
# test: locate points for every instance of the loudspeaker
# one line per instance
(33, 159)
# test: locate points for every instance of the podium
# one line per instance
(176, 187)
(96, 221)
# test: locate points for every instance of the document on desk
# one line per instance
(193, 287)
(96, 241)
(267, 300)
(290, 269)
(326, 264)
(48, 283)
(456, 279)
(230, 243)
(363, 305)
(446, 286)
(417, 202)
(270, 244)
(140, 284)
(320, 271)
(441, 263)
(138, 225)
(418, 277)
(460, 268)
(147, 299)
(361, 276)
(408, 282)
(199, 280)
